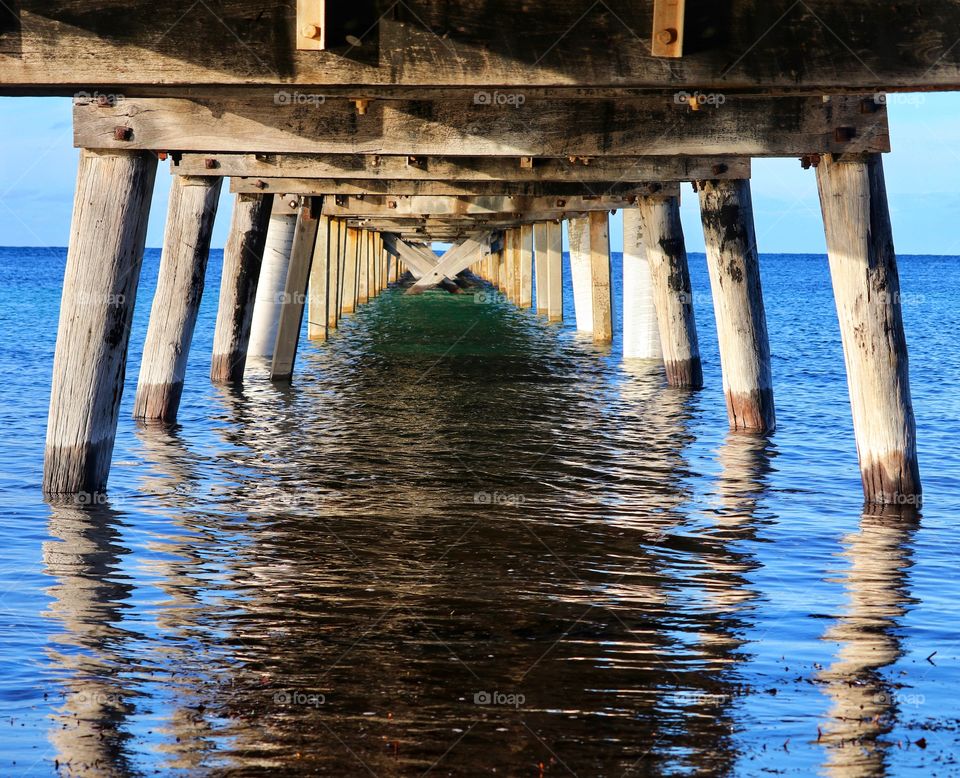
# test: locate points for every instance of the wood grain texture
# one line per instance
(242, 257)
(821, 46)
(726, 211)
(351, 259)
(650, 125)
(295, 295)
(107, 235)
(578, 238)
(270, 285)
(322, 281)
(540, 257)
(526, 266)
(554, 271)
(183, 265)
(601, 284)
(666, 251)
(373, 169)
(641, 332)
(866, 288)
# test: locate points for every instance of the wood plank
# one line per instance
(821, 46)
(786, 126)
(456, 207)
(401, 188)
(464, 171)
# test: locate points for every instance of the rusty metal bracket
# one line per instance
(668, 28)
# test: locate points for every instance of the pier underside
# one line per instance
(355, 140)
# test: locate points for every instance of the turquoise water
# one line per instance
(466, 541)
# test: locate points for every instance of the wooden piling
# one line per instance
(641, 332)
(270, 286)
(191, 213)
(107, 237)
(348, 303)
(363, 267)
(526, 265)
(335, 261)
(578, 233)
(242, 257)
(726, 211)
(666, 251)
(866, 288)
(319, 290)
(554, 266)
(306, 240)
(601, 304)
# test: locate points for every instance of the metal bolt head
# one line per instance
(211, 164)
(123, 133)
(720, 169)
(310, 31)
(667, 36)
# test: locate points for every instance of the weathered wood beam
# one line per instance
(242, 257)
(866, 287)
(53, 46)
(372, 168)
(441, 206)
(785, 126)
(176, 302)
(107, 235)
(454, 261)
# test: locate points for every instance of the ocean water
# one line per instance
(466, 542)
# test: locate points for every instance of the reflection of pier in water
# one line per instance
(865, 705)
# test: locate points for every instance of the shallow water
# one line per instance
(466, 542)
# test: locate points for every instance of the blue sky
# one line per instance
(38, 167)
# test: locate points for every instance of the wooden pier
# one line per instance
(355, 135)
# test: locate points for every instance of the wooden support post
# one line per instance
(600, 283)
(540, 255)
(305, 241)
(107, 236)
(335, 253)
(319, 294)
(363, 267)
(554, 265)
(526, 265)
(667, 257)
(173, 316)
(350, 271)
(238, 286)
(866, 287)
(641, 333)
(273, 278)
(578, 232)
(734, 264)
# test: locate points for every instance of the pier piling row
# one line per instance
(345, 171)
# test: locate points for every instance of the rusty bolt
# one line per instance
(123, 133)
(104, 101)
(844, 134)
(211, 164)
(260, 184)
(719, 170)
(667, 36)
(561, 203)
(162, 156)
(391, 203)
(310, 31)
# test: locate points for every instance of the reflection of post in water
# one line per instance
(89, 657)
(180, 565)
(865, 705)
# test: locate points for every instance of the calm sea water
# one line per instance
(466, 542)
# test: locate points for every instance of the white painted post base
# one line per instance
(578, 233)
